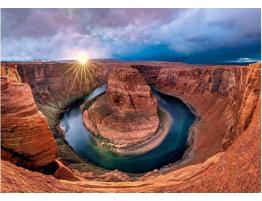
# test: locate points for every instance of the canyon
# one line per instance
(223, 152)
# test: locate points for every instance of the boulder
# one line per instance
(64, 173)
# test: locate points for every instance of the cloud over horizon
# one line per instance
(190, 35)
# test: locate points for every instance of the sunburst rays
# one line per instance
(80, 74)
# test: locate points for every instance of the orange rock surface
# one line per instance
(56, 85)
(127, 113)
(223, 97)
(26, 137)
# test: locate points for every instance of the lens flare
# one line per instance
(82, 58)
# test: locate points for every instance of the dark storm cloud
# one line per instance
(196, 35)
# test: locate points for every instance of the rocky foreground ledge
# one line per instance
(126, 119)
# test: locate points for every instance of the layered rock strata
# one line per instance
(25, 136)
(149, 73)
(126, 113)
(56, 85)
(223, 97)
(227, 100)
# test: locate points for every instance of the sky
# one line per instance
(187, 35)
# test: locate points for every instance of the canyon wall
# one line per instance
(151, 70)
(150, 73)
(55, 85)
(25, 136)
(223, 97)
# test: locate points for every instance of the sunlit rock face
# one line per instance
(224, 98)
(26, 137)
(127, 113)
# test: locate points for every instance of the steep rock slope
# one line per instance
(223, 97)
(26, 137)
(55, 85)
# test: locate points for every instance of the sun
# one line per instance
(82, 58)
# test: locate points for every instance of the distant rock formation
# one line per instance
(26, 137)
(149, 73)
(127, 113)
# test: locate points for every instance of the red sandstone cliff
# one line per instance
(55, 85)
(223, 97)
(26, 138)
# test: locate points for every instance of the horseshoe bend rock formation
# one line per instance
(127, 113)
(26, 137)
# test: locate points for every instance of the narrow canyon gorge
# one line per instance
(222, 152)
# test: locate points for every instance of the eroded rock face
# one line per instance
(55, 85)
(149, 73)
(224, 97)
(127, 113)
(63, 172)
(128, 90)
(26, 137)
